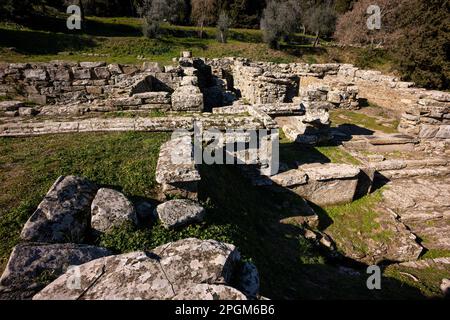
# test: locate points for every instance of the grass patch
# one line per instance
(341, 117)
(249, 217)
(120, 40)
(357, 222)
(291, 153)
(29, 166)
(428, 279)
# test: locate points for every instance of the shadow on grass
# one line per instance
(289, 266)
(38, 42)
(184, 42)
(293, 154)
(91, 26)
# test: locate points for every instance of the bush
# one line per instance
(223, 25)
(278, 21)
(415, 32)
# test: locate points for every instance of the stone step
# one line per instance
(419, 172)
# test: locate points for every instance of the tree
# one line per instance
(320, 20)
(278, 21)
(203, 13)
(154, 12)
(223, 24)
(415, 32)
(352, 27)
(422, 44)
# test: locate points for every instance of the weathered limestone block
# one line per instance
(189, 81)
(10, 105)
(64, 214)
(329, 184)
(32, 266)
(157, 275)
(290, 178)
(115, 69)
(311, 128)
(95, 90)
(27, 111)
(60, 74)
(444, 132)
(35, 74)
(179, 212)
(209, 292)
(152, 67)
(154, 97)
(92, 65)
(102, 72)
(127, 102)
(187, 98)
(81, 73)
(176, 170)
(110, 209)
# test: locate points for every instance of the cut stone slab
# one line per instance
(176, 170)
(422, 204)
(32, 266)
(64, 214)
(329, 171)
(187, 98)
(154, 97)
(386, 240)
(109, 209)
(210, 292)
(157, 275)
(179, 212)
(329, 184)
(10, 105)
(89, 64)
(290, 178)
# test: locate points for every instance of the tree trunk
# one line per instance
(80, 4)
(201, 30)
(316, 41)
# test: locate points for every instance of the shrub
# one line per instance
(223, 25)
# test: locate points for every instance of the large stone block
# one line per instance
(64, 214)
(329, 184)
(187, 98)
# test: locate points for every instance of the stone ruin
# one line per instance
(225, 93)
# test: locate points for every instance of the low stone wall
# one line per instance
(160, 124)
(61, 81)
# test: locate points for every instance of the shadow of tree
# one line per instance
(38, 42)
(289, 267)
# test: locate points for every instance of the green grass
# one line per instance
(249, 217)
(436, 253)
(291, 152)
(428, 279)
(120, 40)
(357, 222)
(346, 117)
(29, 166)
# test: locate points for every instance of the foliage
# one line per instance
(416, 32)
(320, 20)
(155, 12)
(223, 26)
(278, 21)
(203, 13)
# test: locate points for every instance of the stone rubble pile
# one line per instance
(73, 208)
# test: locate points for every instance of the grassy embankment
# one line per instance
(120, 40)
